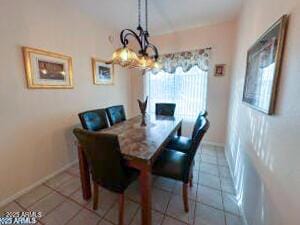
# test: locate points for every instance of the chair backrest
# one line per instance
(203, 127)
(104, 157)
(198, 122)
(93, 120)
(116, 114)
(165, 109)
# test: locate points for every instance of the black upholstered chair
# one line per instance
(115, 114)
(178, 165)
(93, 120)
(183, 144)
(165, 109)
(108, 167)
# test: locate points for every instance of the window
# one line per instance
(187, 89)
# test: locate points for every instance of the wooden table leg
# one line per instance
(146, 197)
(84, 174)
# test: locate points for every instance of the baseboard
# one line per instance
(214, 143)
(39, 182)
(244, 220)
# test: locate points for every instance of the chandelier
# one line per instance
(126, 57)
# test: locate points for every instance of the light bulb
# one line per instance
(44, 71)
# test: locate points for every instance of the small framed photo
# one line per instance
(103, 74)
(47, 69)
(220, 70)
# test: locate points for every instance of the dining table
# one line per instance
(140, 144)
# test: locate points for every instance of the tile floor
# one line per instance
(212, 199)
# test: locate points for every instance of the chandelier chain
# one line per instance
(146, 14)
(139, 12)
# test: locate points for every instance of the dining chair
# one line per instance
(116, 114)
(183, 144)
(178, 165)
(108, 167)
(165, 109)
(94, 120)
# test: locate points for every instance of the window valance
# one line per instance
(186, 60)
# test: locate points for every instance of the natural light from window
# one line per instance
(187, 89)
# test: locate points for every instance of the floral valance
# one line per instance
(186, 60)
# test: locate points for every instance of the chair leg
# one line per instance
(191, 181)
(121, 209)
(185, 197)
(95, 195)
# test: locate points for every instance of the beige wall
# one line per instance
(264, 150)
(221, 38)
(36, 125)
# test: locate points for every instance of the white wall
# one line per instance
(264, 150)
(36, 125)
(221, 38)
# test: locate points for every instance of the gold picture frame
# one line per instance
(47, 70)
(103, 74)
(264, 59)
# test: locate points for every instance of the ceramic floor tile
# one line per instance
(209, 159)
(227, 185)
(160, 199)
(210, 155)
(221, 155)
(219, 149)
(209, 150)
(74, 170)
(233, 220)
(130, 210)
(230, 203)
(171, 221)
(62, 214)
(222, 162)
(224, 171)
(33, 196)
(133, 192)
(69, 186)
(77, 196)
(176, 209)
(209, 168)
(48, 203)
(105, 222)
(106, 201)
(58, 180)
(210, 197)
(85, 217)
(208, 216)
(192, 190)
(11, 207)
(209, 180)
(195, 176)
(157, 218)
(164, 184)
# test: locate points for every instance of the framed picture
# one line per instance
(47, 69)
(102, 73)
(220, 70)
(263, 68)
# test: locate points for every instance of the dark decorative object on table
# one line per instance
(143, 107)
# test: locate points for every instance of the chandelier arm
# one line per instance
(124, 37)
(154, 49)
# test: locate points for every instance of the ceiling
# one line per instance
(164, 15)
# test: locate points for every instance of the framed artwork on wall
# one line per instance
(46, 69)
(103, 74)
(263, 68)
(220, 70)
